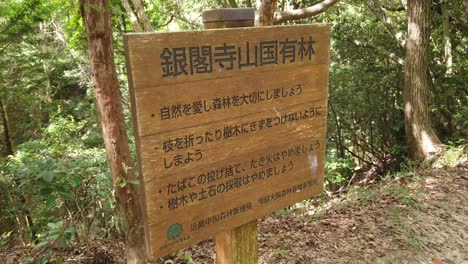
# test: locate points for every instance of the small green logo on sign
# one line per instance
(174, 231)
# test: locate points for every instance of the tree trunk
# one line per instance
(233, 3)
(138, 5)
(421, 138)
(268, 17)
(6, 130)
(132, 16)
(266, 11)
(446, 34)
(223, 3)
(97, 21)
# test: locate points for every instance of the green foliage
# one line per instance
(187, 257)
(337, 173)
(57, 234)
(68, 183)
(450, 156)
(4, 238)
(285, 211)
(17, 19)
(44, 73)
(365, 87)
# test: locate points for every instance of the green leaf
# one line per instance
(46, 191)
(66, 195)
(53, 235)
(48, 176)
(76, 181)
(69, 231)
(50, 202)
(27, 260)
(61, 174)
(41, 245)
(52, 225)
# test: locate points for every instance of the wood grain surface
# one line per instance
(222, 148)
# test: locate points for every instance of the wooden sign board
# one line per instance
(230, 126)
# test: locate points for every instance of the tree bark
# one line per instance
(421, 138)
(266, 11)
(97, 22)
(222, 3)
(233, 4)
(132, 16)
(447, 42)
(310, 11)
(138, 5)
(6, 130)
(268, 17)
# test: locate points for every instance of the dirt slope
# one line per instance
(421, 218)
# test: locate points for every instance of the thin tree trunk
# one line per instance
(132, 16)
(266, 11)
(27, 218)
(222, 3)
(283, 4)
(97, 21)
(19, 224)
(233, 4)
(6, 130)
(339, 142)
(138, 5)
(45, 66)
(446, 34)
(421, 138)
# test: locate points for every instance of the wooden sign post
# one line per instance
(238, 245)
(229, 126)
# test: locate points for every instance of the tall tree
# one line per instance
(421, 138)
(97, 20)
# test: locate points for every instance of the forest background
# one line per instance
(55, 183)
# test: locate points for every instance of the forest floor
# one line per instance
(415, 217)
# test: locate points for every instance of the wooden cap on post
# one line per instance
(228, 18)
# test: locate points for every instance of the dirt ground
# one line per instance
(419, 217)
